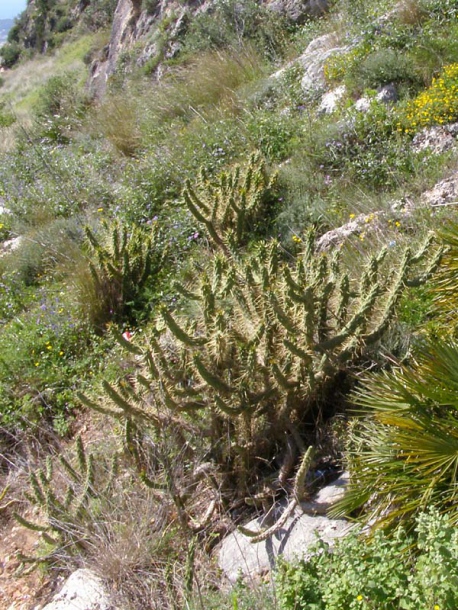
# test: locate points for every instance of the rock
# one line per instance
(330, 100)
(10, 245)
(299, 10)
(362, 222)
(327, 496)
(363, 104)
(443, 193)
(239, 556)
(437, 139)
(388, 94)
(314, 59)
(83, 590)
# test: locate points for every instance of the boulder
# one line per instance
(313, 61)
(83, 590)
(238, 556)
(326, 497)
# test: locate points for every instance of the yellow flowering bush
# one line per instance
(436, 105)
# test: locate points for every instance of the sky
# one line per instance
(11, 8)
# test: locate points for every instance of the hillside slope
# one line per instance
(222, 229)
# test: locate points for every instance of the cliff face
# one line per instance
(141, 30)
(154, 28)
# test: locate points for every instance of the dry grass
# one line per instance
(214, 80)
(117, 117)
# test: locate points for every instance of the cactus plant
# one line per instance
(122, 261)
(268, 339)
(66, 509)
(231, 207)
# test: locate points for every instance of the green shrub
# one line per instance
(382, 67)
(436, 106)
(359, 573)
(10, 54)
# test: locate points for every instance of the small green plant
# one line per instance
(65, 513)
(10, 54)
(413, 571)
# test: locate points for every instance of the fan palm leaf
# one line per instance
(403, 452)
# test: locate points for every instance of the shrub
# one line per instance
(10, 54)
(403, 571)
(123, 262)
(437, 105)
(262, 341)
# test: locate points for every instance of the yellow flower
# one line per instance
(296, 239)
(99, 209)
(397, 224)
(49, 347)
(61, 353)
(436, 607)
(360, 598)
(352, 216)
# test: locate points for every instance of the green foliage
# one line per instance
(10, 54)
(7, 118)
(366, 148)
(46, 352)
(403, 454)
(60, 109)
(403, 571)
(227, 22)
(382, 67)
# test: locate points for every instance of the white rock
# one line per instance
(239, 556)
(363, 104)
(327, 496)
(314, 59)
(83, 590)
(10, 244)
(330, 100)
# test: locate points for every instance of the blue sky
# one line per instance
(11, 8)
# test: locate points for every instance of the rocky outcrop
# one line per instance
(129, 24)
(133, 26)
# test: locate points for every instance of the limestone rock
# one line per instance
(326, 497)
(239, 556)
(443, 193)
(330, 100)
(83, 590)
(314, 59)
(437, 139)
